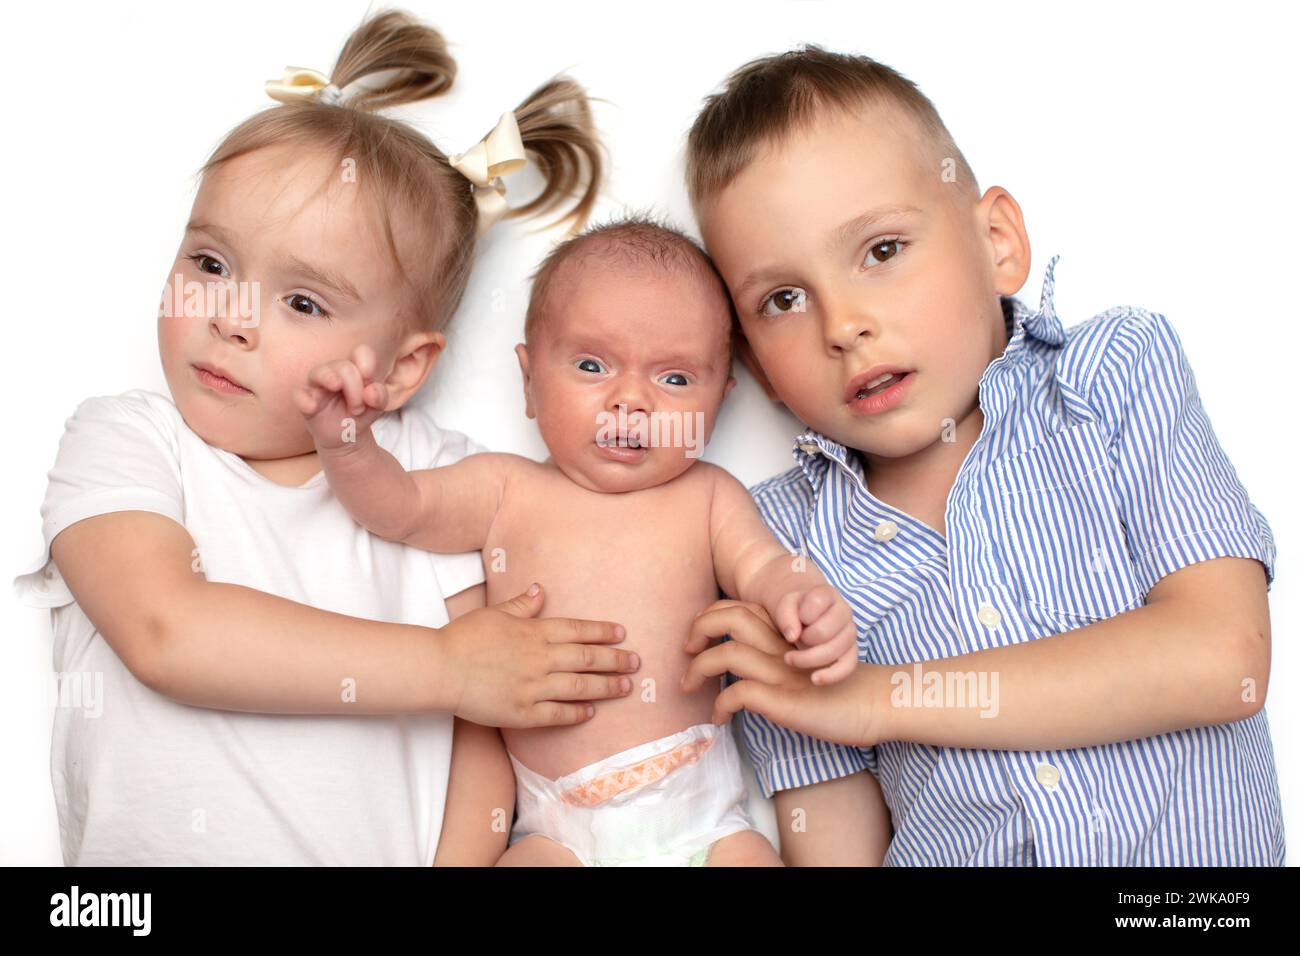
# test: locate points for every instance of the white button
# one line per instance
(809, 447)
(886, 530)
(989, 616)
(1047, 775)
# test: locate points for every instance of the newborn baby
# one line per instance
(626, 361)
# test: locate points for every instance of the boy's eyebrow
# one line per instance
(332, 281)
(837, 237)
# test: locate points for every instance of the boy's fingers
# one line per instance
(746, 623)
(304, 397)
(740, 659)
(591, 657)
(808, 658)
(353, 387)
(585, 687)
(376, 396)
(568, 630)
(550, 713)
(757, 698)
(787, 615)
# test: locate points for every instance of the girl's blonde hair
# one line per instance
(406, 173)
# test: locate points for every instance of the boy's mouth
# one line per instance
(873, 381)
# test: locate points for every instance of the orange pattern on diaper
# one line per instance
(611, 784)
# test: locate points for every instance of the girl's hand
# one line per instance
(340, 399)
(846, 712)
(510, 671)
(821, 622)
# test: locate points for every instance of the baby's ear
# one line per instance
(748, 359)
(521, 352)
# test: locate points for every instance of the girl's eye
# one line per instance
(783, 301)
(884, 251)
(590, 365)
(675, 378)
(305, 305)
(205, 263)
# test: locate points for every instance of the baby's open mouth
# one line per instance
(620, 441)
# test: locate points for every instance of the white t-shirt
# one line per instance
(142, 779)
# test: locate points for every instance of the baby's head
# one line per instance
(854, 241)
(627, 354)
(320, 225)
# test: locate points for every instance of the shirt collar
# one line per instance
(1044, 326)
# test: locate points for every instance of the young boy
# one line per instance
(1058, 580)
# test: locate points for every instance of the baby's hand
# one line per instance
(339, 399)
(820, 621)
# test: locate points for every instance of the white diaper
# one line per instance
(663, 803)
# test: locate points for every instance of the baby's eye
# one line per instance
(784, 301)
(884, 251)
(590, 365)
(205, 263)
(675, 378)
(305, 305)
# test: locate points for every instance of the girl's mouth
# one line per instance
(216, 380)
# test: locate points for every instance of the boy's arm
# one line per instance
(751, 565)
(839, 822)
(481, 789)
(1196, 654)
(226, 646)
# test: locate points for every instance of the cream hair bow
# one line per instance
(497, 154)
(299, 83)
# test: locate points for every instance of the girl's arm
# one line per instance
(235, 648)
(481, 792)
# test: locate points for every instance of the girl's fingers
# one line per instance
(376, 396)
(585, 687)
(353, 387)
(816, 602)
(550, 713)
(591, 657)
(363, 356)
(828, 625)
(808, 658)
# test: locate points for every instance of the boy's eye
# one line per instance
(206, 263)
(590, 365)
(675, 378)
(783, 301)
(884, 251)
(305, 305)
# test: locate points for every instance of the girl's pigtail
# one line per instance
(556, 129)
(402, 60)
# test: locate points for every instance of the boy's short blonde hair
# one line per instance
(774, 97)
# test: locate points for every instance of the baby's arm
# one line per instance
(481, 789)
(840, 822)
(752, 566)
(439, 509)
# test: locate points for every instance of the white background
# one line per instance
(1152, 146)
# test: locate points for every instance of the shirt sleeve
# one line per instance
(1180, 497)
(116, 454)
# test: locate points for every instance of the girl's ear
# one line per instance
(417, 354)
(521, 351)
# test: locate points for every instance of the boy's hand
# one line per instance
(846, 712)
(340, 399)
(507, 671)
(821, 622)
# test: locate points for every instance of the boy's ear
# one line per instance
(750, 362)
(521, 351)
(1001, 222)
(417, 354)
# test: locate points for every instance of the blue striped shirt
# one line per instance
(1095, 475)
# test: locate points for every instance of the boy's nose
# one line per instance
(233, 328)
(845, 327)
